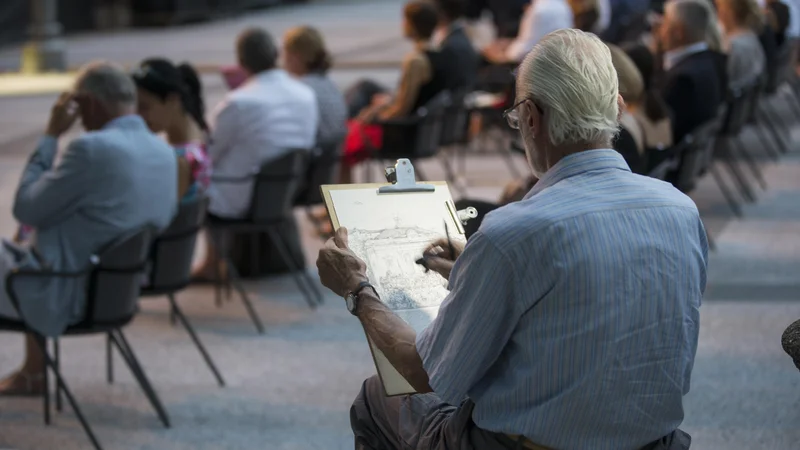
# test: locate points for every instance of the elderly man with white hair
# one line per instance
(115, 179)
(573, 315)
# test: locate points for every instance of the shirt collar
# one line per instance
(673, 57)
(123, 121)
(578, 163)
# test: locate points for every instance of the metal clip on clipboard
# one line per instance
(404, 179)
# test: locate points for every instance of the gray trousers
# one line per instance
(425, 422)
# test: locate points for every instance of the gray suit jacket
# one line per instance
(108, 183)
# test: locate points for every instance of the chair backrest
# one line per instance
(455, 121)
(114, 284)
(276, 186)
(322, 169)
(697, 149)
(736, 114)
(429, 130)
(173, 251)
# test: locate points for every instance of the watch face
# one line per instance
(350, 300)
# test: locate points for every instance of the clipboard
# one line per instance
(389, 225)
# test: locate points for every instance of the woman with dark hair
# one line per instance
(306, 57)
(170, 101)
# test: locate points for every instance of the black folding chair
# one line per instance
(170, 270)
(322, 169)
(113, 280)
(275, 189)
(728, 149)
(416, 137)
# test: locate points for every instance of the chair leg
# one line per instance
(767, 141)
(41, 342)
(769, 121)
(136, 369)
(304, 283)
(750, 162)
(109, 360)
(508, 155)
(233, 278)
(57, 361)
(735, 170)
(712, 245)
(186, 324)
(449, 174)
(726, 192)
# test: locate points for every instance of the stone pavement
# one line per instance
(355, 31)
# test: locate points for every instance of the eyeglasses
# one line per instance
(512, 115)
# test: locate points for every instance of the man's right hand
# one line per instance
(439, 258)
(62, 116)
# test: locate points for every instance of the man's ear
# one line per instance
(620, 107)
(533, 117)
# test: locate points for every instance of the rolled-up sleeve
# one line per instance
(474, 323)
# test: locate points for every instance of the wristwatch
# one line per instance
(351, 299)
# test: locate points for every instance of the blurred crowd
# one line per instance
(676, 62)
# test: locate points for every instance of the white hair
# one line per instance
(108, 83)
(570, 76)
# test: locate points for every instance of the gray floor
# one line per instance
(292, 387)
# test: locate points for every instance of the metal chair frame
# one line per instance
(113, 329)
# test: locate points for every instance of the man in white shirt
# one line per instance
(270, 114)
(540, 18)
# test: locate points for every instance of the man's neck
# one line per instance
(556, 154)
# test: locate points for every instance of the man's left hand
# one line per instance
(340, 270)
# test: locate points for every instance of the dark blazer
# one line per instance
(694, 89)
(462, 60)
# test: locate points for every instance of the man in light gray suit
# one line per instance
(113, 180)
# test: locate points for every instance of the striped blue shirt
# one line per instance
(573, 314)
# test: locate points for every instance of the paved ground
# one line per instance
(291, 388)
(355, 30)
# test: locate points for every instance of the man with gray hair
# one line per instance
(573, 314)
(116, 178)
(694, 80)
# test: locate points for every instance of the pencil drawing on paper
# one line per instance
(389, 255)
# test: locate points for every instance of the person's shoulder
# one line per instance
(518, 223)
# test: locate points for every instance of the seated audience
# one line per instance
(455, 46)
(586, 14)
(630, 140)
(115, 179)
(171, 102)
(422, 78)
(713, 26)
(694, 78)
(627, 20)
(742, 21)
(518, 356)
(540, 18)
(306, 58)
(652, 116)
(778, 18)
(268, 115)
